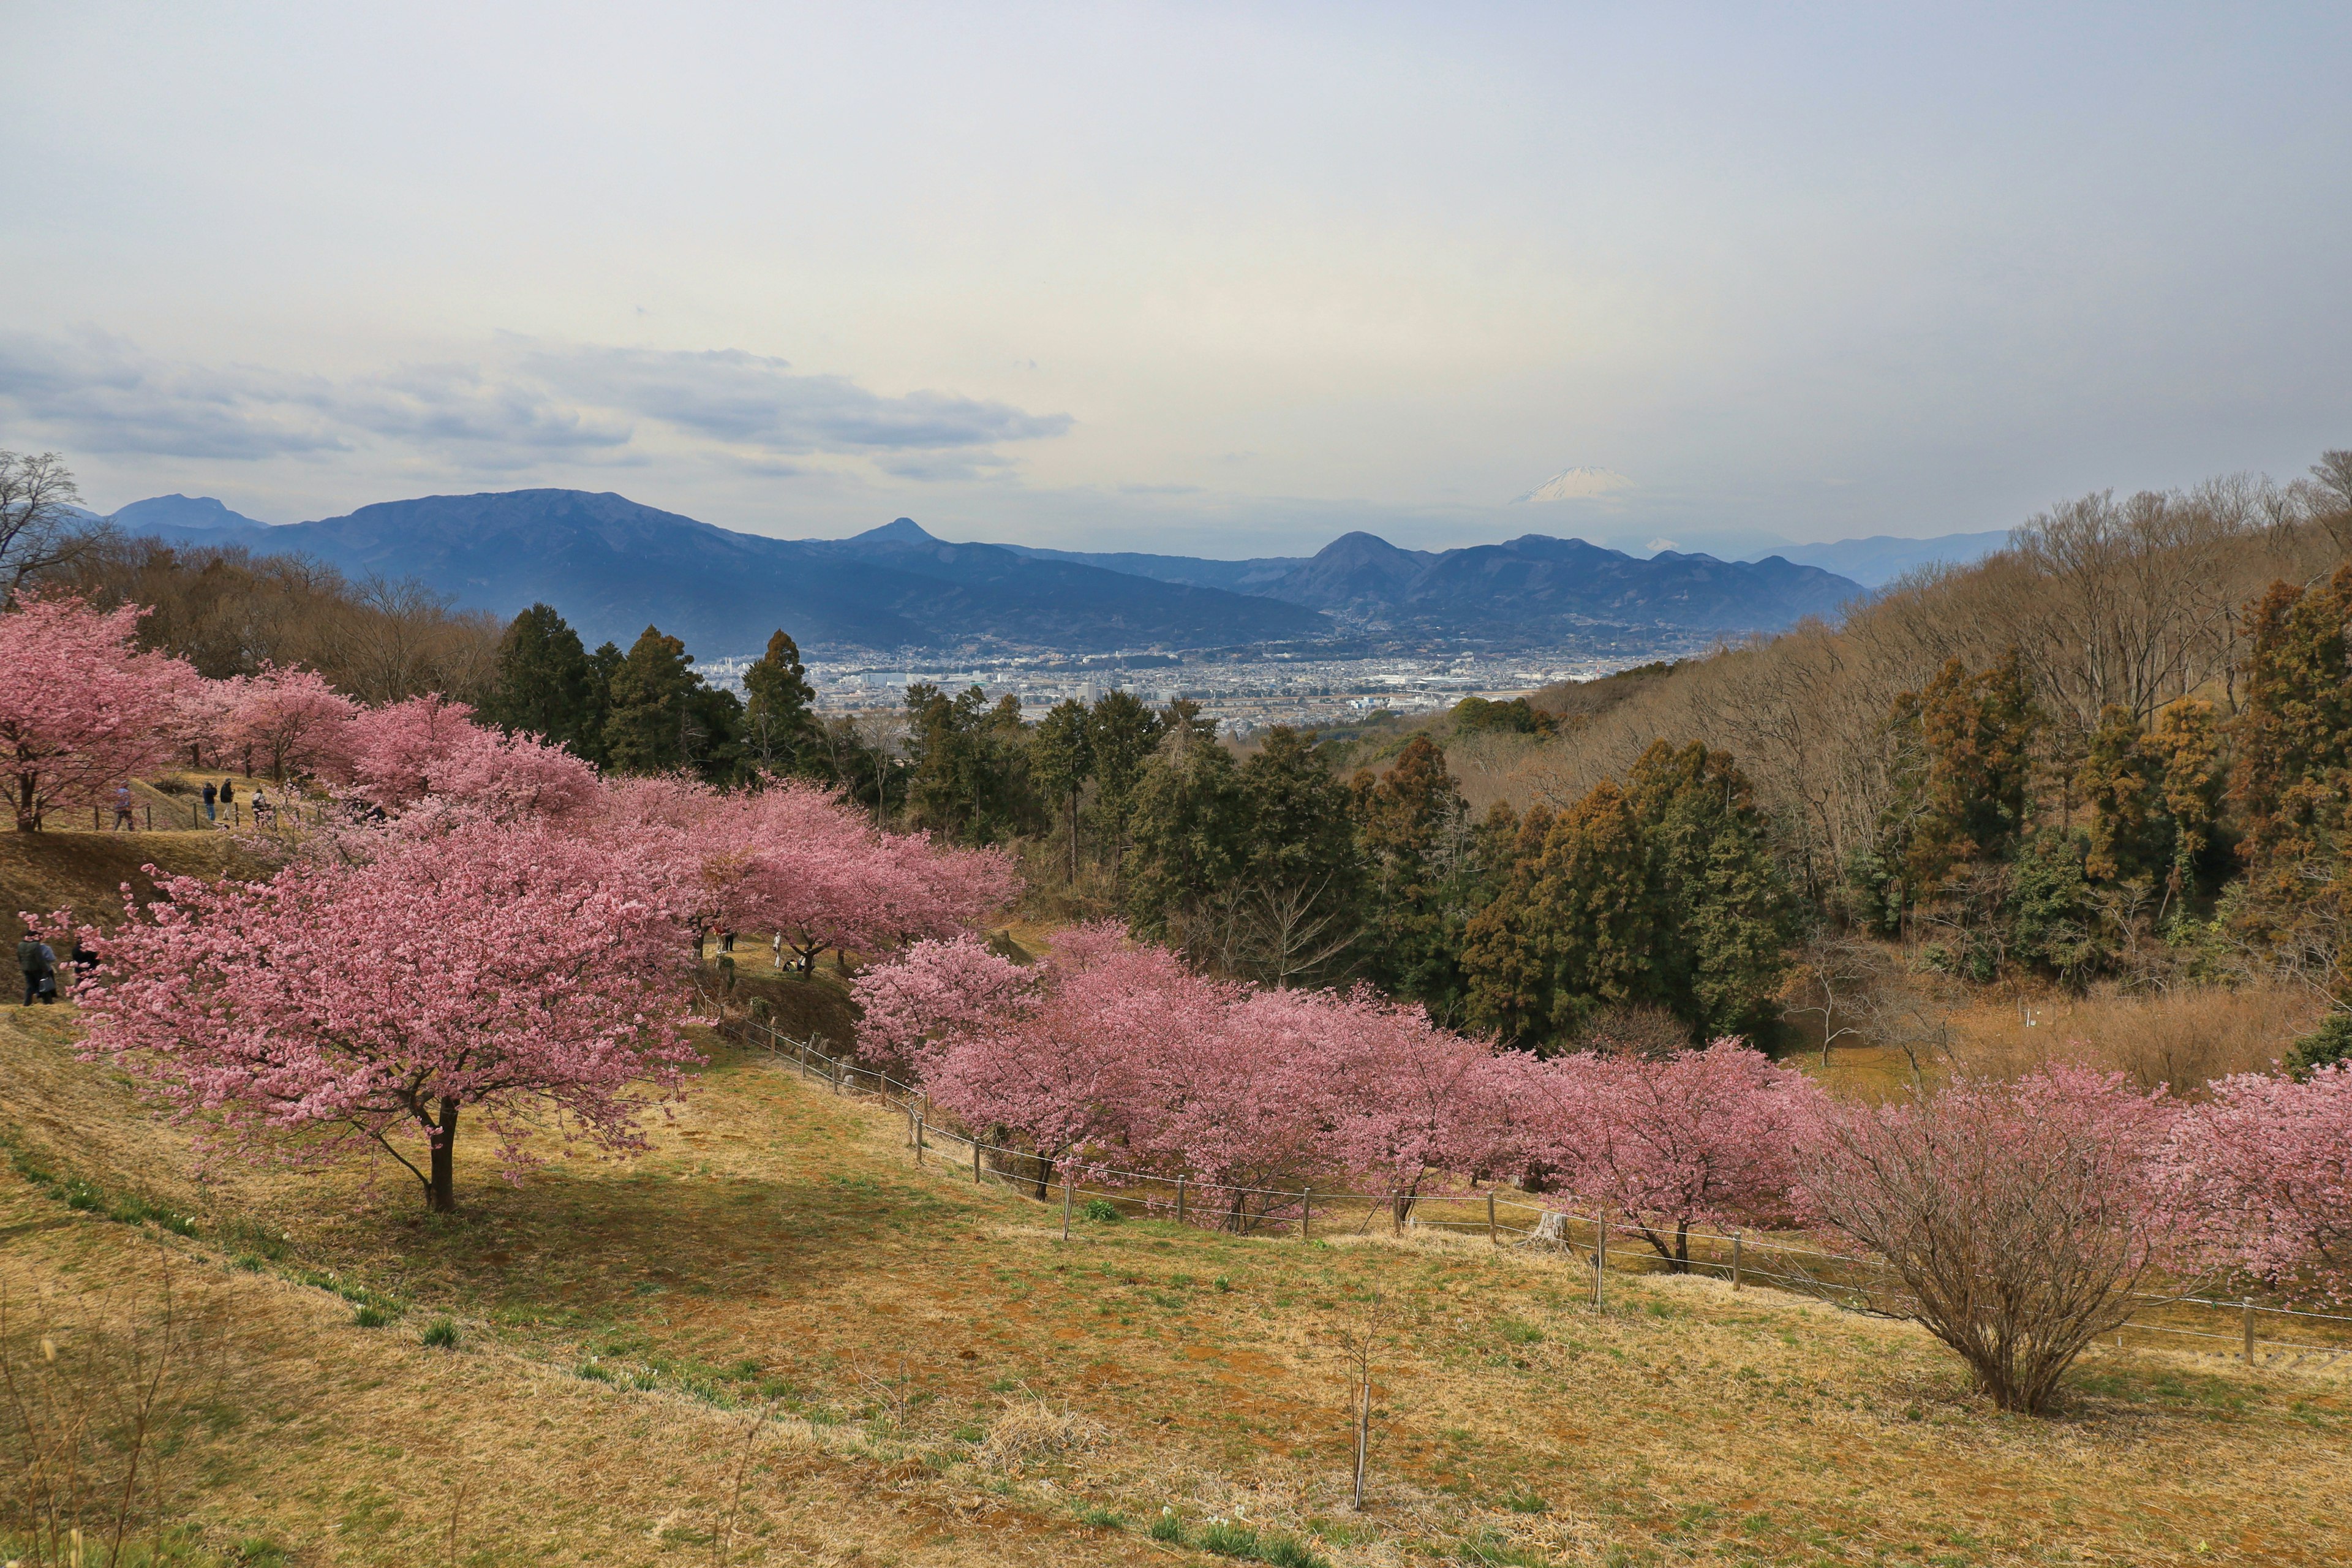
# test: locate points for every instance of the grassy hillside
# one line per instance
(949, 1383)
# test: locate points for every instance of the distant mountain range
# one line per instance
(613, 565)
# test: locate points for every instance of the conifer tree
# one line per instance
(778, 722)
(1062, 756)
(1122, 733)
(1421, 875)
(1730, 919)
(651, 716)
(543, 683)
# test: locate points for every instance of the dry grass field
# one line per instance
(776, 1340)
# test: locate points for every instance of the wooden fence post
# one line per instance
(1601, 1261)
(1735, 1260)
(975, 1162)
(1306, 1208)
(1180, 1200)
(1396, 1214)
(1491, 1237)
(919, 1138)
(1065, 1205)
(150, 819)
(2249, 1309)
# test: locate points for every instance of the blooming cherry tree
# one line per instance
(2016, 1220)
(82, 711)
(1701, 1136)
(935, 993)
(292, 717)
(335, 1008)
(2263, 1175)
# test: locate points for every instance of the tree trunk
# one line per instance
(28, 815)
(441, 1191)
(1074, 838)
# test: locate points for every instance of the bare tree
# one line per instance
(41, 524)
(1834, 980)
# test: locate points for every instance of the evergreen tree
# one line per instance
(1730, 918)
(1189, 825)
(1577, 927)
(602, 665)
(2292, 786)
(1965, 773)
(650, 713)
(1061, 758)
(967, 765)
(779, 723)
(1422, 871)
(543, 682)
(2154, 797)
(1300, 892)
(1121, 736)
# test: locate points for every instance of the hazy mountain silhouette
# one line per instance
(613, 565)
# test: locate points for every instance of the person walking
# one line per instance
(38, 961)
(122, 807)
(264, 814)
(210, 795)
(228, 799)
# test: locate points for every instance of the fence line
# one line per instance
(1298, 1214)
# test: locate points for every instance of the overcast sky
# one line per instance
(1217, 279)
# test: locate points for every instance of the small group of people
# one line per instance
(38, 961)
(222, 799)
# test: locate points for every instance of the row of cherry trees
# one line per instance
(2017, 1220)
(489, 925)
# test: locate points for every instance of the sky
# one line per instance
(1204, 278)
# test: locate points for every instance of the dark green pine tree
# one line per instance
(779, 723)
(652, 715)
(1302, 878)
(1421, 877)
(1730, 919)
(1122, 734)
(543, 682)
(1061, 758)
(1187, 828)
(968, 775)
(602, 665)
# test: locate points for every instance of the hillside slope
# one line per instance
(923, 1343)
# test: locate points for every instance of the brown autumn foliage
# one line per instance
(228, 611)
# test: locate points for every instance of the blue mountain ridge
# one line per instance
(613, 565)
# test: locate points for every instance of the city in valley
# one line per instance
(1244, 692)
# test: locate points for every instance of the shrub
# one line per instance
(2324, 1046)
(2017, 1220)
(441, 1334)
(1101, 1209)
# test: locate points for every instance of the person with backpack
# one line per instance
(122, 808)
(38, 961)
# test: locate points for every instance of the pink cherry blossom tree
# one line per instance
(402, 754)
(335, 1008)
(2262, 1174)
(292, 718)
(1699, 1136)
(2016, 1220)
(387, 752)
(935, 993)
(82, 711)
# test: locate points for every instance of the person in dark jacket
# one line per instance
(38, 961)
(211, 795)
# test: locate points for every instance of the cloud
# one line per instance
(1577, 484)
(523, 403)
(752, 400)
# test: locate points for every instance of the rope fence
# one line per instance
(1604, 1242)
